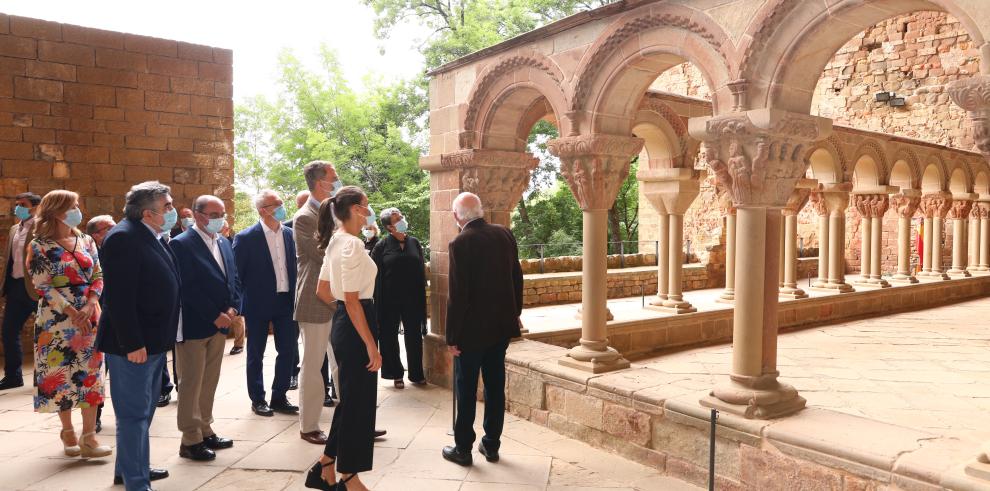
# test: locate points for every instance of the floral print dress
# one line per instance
(67, 366)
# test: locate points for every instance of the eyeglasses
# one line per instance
(213, 216)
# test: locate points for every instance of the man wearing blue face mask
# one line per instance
(266, 263)
(209, 304)
(139, 322)
(186, 221)
(17, 289)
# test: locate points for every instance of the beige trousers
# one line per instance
(199, 363)
(237, 329)
(316, 343)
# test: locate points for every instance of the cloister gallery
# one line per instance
(763, 155)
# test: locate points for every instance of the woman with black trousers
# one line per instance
(400, 296)
(349, 273)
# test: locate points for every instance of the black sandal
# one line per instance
(342, 484)
(314, 478)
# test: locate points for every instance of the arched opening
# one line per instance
(823, 167)
(958, 182)
(981, 185)
(902, 176)
(931, 179)
(866, 173)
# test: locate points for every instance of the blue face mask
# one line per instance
(402, 226)
(370, 219)
(171, 217)
(22, 213)
(280, 213)
(73, 218)
(215, 225)
(188, 222)
(337, 185)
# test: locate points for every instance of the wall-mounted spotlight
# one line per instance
(891, 98)
(897, 102)
(884, 96)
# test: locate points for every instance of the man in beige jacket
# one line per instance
(17, 289)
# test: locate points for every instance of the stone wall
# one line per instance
(96, 111)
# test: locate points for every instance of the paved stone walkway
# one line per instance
(268, 454)
(927, 370)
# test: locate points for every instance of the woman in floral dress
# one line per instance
(66, 272)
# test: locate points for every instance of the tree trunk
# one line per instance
(523, 212)
(614, 232)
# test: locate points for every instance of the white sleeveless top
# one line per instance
(348, 267)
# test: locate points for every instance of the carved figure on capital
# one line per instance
(935, 205)
(905, 206)
(863, 204)
(981, 210)
(817, 202)
(498, 177)
(595, 166)
(973, 95)
(796, 202)
(960, 209)
(880, 205)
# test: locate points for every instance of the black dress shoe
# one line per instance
(294, 382)
(459, 457)
(314, 478)
(490, 455)
(196, 452)
(236, 350)
(156, 474)
(164, 400)
(216, 442)
(261, 409)
(284, 407)
(328, 401)
(11, 383)
(380, 433)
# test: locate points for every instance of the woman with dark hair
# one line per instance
(65, 268)
(400, 296)
(351, 275)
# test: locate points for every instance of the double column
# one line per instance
(799, 197)
(980, 237)
(671, 192)
(594, 167)
(906, 205)
(962, 205)
(834, 197)
(934, 207)
(729, 217)
(760, 156)
(872, 205)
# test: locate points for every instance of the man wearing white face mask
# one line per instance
(209, 304)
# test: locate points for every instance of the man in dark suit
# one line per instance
(206, 263)
(266, 265)
(483, 309)
(139, 322)
(186, 221)
(17, 289)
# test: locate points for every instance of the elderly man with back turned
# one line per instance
(139, 323)
(18, 290)
(209, 304)
(483, 312)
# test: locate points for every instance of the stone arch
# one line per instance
(933, 176)
(826, 162)
(960, 178)
(507, 95)
(872, 150)
(667, 142)
(867, 173)
(615, 72)
(981, 184)
(906, 169)
(790, 42)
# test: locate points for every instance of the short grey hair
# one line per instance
(467, 206)
(259, 198)
(386, 215)
(314, 172)
(200, 204)
(142, 197)
(95, 222)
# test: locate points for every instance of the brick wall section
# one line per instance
(96, 111)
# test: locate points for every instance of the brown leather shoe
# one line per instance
(315, 437)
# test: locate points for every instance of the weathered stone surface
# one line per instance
(626, 423)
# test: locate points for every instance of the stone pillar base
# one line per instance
(933, 277)
(590, 359)
(658, 300)
(727, 296)
(762, 398)
(901, 279)
(979, 272)
(872, 283)
(792, 293)
(437, 361)
(959, 273)
(672, 307)
(834, 287)
(608, 314)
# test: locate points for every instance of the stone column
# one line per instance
(729, 294)
(673, 189)
(962, 204)
(984, 209)
(973, 95)
(760, 156)
(973, 246)
(594, 167)
(905, 204)
(880, 206)
(821, 210)
(499, 179)
(872, 205)
(935, 207)
(663, 252)
(799, 197)
(863, 204)
(836, 197)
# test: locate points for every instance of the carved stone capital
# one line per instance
(799, 197)
(817, 203)
(871, 205)
(936, 205)
(759, 154)
(595, 166)
(497, 177)
(960, 209)
(973, 95)
(905, 206)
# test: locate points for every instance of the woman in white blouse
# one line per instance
(350, 274)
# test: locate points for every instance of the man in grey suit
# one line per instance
(311, 313)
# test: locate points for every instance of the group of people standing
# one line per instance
(130, 292)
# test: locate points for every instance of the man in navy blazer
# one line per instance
(139, 321)
(209, 304)
(266, 263)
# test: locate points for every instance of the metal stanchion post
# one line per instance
(711, 453)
